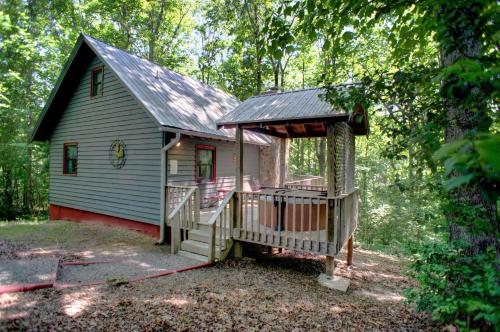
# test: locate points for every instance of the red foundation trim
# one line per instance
(58, 212)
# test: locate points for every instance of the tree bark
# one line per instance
(472, 198)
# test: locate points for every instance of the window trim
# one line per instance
(212, 148)
(96, 69)
(65, 151)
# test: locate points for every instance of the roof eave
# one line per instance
(211, 136)
(284, 121)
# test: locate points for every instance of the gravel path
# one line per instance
(21, 271)
(28, 254)
(140, 265)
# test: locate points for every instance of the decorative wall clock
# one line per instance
(117, 153)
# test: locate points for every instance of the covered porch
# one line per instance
(309, 216)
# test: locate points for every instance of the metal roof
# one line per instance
(304, 104)
(173, 100)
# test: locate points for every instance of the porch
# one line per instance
(305, 214)
(294, 217)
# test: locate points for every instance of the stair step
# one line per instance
(191, 255)
(203, 236)
(197, 247)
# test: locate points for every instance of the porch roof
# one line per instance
(291, 114)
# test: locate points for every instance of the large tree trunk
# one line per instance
(471, 199)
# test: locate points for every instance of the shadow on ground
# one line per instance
(269, 293)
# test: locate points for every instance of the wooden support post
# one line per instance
(239, 159)
(176, 234)
(330, 137)
(197, 205)
(349, 250)
(237, 215)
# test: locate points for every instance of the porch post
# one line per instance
(239, 159)
(330, 141)
(349, 250)
(238, 248)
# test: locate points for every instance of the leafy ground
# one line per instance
(270, 293)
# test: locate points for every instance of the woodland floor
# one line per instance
(264, 293)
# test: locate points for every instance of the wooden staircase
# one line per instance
(208, 242)
(197, 245)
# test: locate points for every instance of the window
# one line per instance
(205, 163)
(70, 163)
(96, 78)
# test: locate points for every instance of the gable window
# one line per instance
(205, 163)
(96, 78)
(70, 162)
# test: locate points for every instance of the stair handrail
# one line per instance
(182, 202)
(175, 216)
(212, 224)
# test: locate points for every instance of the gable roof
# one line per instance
(287, 114)
(172, 100)
(297, 104)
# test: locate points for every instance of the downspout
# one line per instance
(163, 181)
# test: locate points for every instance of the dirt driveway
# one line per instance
(269, 293)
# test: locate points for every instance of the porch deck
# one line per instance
(284, 218)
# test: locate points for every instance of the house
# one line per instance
(137, 145)
(107, 120)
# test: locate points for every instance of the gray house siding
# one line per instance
(132, 192)
(184, 153)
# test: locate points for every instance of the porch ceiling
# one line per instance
(292, 128)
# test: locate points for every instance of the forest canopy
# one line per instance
(427, 71)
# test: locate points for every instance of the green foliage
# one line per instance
(457, 287)
(472, 160)
(399, 208)
(429, 75)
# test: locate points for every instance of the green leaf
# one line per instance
(446, 150)
(457, 181)
(489, 152)
(348, 36)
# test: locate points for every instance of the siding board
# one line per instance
(132, 192)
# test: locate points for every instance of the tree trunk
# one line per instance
(309, 156)
(303, 73)
(151, 55)
(276, 73)
(8, 196)
(472, 198)
(301, 155)
(320, 153)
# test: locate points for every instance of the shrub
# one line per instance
(458, 288)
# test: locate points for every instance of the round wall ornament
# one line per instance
(117, 153)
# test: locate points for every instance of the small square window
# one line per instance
(96, 81)
(205, 163)
(70, 162)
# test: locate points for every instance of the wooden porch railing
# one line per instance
(299, 186)
(309, 223)
(306, 178)
(220, 225)
(184, 216)
(307, 183)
